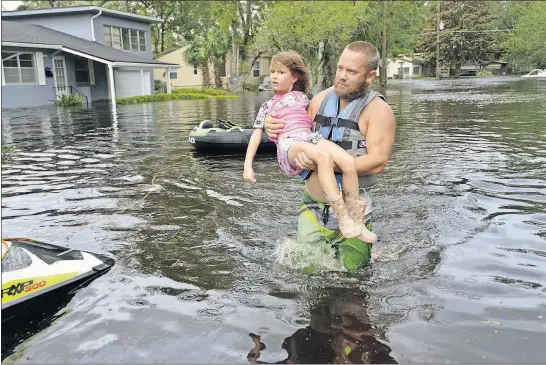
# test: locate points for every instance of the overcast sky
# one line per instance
(10, 4)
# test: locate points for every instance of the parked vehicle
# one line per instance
(536, 74)
(265, 85)
(469, 73)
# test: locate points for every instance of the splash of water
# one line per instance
(309, 257)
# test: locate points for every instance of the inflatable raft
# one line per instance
(37, 275)
(225, 137)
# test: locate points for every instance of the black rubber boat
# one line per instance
(37, 275)
(225, 137)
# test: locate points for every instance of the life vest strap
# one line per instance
(339, 122)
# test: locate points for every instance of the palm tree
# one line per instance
(217, 46)
(196, 54)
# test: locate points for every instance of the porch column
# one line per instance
(111, 84)
(141, 81)
(168, 81)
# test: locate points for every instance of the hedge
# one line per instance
(179, 94)
(160, 97)
(212, 92)
(221, 97)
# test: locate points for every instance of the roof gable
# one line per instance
(79, 9)
(35, 35)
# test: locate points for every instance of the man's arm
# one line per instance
(314, 104)
(273, 126)
(381, 129)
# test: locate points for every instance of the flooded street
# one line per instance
(459, 273)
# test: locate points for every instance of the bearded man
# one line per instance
(359, 120)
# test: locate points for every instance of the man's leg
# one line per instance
(317, 225)
(357, 253)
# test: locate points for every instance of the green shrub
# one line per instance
(484, 73)
(160, 97)
(222, 97)
(211, 92)
(421, 77)
(160, 86)
(249, 87)
(68, 100)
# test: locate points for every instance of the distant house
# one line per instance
(97, 53)
(187, 75)
(408, 67)
(496, 67)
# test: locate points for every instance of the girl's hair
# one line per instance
(295, 64)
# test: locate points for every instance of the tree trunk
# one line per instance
(234, 71)
(155, 31)
(438, 68)
(206, 73)
(383, 73)
(163, 37)
(242, 80)
(320, 75)
(217, 77)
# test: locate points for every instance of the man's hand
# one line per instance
(273, 127)
(248, 175)
(303, 162)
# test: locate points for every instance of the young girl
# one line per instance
(290, 80)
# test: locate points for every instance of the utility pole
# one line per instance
(438, 41)
(383, 73)
(234, 70)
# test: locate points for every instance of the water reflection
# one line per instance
(339, 332)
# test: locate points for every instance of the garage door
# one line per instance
(128, 83)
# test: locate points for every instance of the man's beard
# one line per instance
(353, 93)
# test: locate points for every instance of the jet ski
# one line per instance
(37, 275)
(225, 137)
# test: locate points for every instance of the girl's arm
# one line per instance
(253, 144)
(255, 139)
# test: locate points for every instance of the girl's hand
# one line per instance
(303, 162)
(248, 175)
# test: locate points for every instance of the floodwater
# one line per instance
(459, 274)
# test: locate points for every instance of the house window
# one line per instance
(256, 70)
(416, 70)
(19, 68)
(223, 69)
(126, 39)
(81, 66)
(406, 70)
(174, 75)
(195, 68)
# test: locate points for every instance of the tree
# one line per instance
(527, 43)
(241, 19)
(466, 37)
(317, 30)
(44, 4)
(217, 47)
(164, 10)
(402, 20)
(196, 54)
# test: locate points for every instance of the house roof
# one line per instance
(36, 36)
(169, 51)
(409, 60)
(79, 9)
